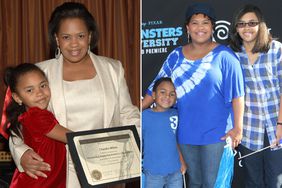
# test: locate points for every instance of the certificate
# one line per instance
(105, 156)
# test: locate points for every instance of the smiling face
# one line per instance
(73, 39)
(164, 96)
(200, 28)
(32, 90)
(248, 33)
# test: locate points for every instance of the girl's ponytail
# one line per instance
(14, 110)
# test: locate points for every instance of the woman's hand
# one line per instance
(33, 164)
(236, 135)
(147, 101)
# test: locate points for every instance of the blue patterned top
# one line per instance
(205, 89)
(263, 83)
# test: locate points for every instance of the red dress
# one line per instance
(36, 124)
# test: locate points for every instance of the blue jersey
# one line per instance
(205, 89)
(160, 153)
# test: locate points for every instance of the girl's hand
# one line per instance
(33, 164)
(278, 135)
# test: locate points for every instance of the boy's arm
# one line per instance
(58, 133)
(182, 161)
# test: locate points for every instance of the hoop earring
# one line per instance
(213, 36)
(188, 37)
(57, 52)
(89, 49)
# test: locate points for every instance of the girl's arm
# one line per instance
(279, 127)
(58, 133)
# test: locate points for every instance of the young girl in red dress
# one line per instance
(28, 118)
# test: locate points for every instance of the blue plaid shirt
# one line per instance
(263, 84)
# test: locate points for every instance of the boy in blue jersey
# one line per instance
(162, 162)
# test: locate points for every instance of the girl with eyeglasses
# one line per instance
(261, 60)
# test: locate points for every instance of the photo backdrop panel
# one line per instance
(163, 28)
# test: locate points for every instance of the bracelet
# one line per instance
(279, 123)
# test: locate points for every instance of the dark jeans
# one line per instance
(263, 169)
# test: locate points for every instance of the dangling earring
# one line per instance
(188, 36)
(57, 52)
(213, 36)
(89, 49)
(20, 103)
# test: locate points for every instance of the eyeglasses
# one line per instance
(244, 24)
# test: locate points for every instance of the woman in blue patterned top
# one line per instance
(261, 60)
(209, 86)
